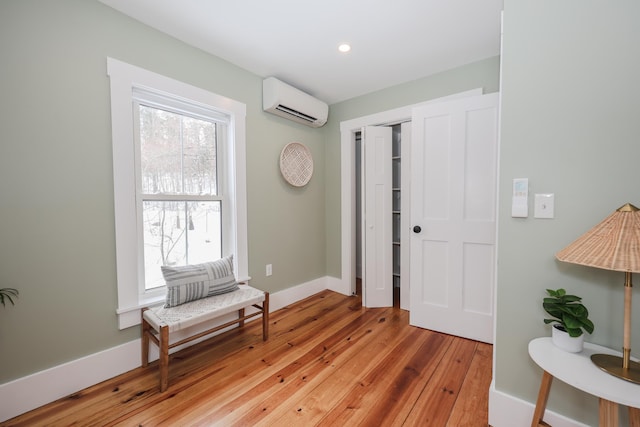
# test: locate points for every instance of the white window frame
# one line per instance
(124, 78)
(187, 109)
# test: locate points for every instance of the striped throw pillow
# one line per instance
(192, 282)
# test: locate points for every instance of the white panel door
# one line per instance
(453, 215)
(377, 280)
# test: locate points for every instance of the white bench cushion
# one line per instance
(202, 310)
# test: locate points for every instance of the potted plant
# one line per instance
(9, 294)
(570, 319)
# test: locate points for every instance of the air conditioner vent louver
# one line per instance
(286, 101)
(296, 113)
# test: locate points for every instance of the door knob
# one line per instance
(417, 229)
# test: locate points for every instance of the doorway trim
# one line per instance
(348, 129)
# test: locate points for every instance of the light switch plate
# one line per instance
(543, 206)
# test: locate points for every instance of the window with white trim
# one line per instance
(179, 181)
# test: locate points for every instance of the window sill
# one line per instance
(130, 316)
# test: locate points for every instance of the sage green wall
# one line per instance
(482, 74)
(570, 108)
(56, 214)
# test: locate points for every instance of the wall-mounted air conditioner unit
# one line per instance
(286, 101)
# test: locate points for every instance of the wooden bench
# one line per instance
(159, 323)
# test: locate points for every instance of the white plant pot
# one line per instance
(564, 341)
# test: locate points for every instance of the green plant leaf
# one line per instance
(571, 298)
(587, 325)
(553, 293)
(9, 294)
(571, 322)
(574, 332)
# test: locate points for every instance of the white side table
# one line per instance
(577, 370)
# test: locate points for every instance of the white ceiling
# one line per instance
(296, 40)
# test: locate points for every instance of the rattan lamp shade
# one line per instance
(614, 244)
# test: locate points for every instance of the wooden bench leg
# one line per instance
(265, 317)
(145, 340)
(241, 316)
(541, 404)
(164, 357)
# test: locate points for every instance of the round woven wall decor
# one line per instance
(296, 164)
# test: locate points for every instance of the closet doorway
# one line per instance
(348, 130)
(351, 257)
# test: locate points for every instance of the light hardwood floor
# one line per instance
(328, 362)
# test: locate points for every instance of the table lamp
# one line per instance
(614, 244)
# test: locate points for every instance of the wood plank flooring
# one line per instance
(328, 362)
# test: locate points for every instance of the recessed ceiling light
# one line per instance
(344, 48)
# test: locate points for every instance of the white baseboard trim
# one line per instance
(506, 410)
(30, 392)
(288, 296)
(33, 391)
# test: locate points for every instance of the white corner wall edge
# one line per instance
(35, 390)
(506, 410)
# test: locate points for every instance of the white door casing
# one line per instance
(453, 201)
(405, 217)
(377, 280)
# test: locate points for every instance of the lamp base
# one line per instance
(613, 365)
